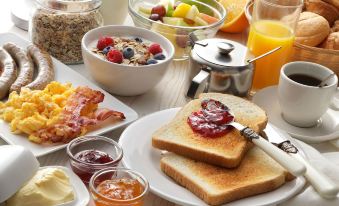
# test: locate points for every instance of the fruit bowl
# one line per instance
(177, 29)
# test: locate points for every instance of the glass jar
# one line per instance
(88, 154)
(59, 25)
(107, 187)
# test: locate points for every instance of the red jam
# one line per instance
(211, 120)
(93, 157)
(84, 169)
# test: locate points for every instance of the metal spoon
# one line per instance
(291, 164)
(265, 54)
(323, 82)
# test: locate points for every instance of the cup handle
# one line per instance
(197, 85)
(335, 102)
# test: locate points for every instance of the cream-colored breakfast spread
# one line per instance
(49, 187)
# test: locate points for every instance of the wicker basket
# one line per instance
(326, 57)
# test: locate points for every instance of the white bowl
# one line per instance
(121, 79)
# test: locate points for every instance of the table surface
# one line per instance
(169, 93)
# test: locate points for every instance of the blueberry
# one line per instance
(151, 61)
(138, 39)
(106, 49)
(128, 52)
(159, 56)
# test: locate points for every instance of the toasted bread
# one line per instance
(258, 173)
(226, 151)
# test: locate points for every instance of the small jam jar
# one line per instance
(118, 187)
(89, 154)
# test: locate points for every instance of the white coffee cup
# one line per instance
(303, 105)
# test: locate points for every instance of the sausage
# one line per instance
(9, 72)
(43, 62)
(24, 65)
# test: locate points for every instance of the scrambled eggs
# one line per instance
(31, 111)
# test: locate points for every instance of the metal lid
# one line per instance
(222, 52)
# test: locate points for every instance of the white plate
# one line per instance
(64, 74)
(327, 129)
(140, 156)
(81, 193)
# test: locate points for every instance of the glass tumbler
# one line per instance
(273, 25)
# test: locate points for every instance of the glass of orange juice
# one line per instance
(273, 25)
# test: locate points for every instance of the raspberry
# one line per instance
(114, 56)
(104, 42)
(155, 49)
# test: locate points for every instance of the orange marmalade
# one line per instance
(123, 191)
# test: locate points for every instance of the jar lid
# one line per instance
(222, 53)
(68, 6)
(18, 165)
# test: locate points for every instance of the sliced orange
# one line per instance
(236, 20)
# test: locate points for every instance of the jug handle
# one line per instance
(195, 88)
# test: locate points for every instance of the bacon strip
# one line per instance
(104, 113)
(72, 123)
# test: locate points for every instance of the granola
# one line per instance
(128, 51)
(60, 33)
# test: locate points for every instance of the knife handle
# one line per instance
(321, 183)
(291, 164)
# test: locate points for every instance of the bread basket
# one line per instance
(325, 57)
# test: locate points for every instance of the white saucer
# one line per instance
(139, 155)
(327, 129)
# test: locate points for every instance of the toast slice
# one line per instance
(258, 173)
(226, 151)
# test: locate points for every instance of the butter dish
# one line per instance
(18, 165)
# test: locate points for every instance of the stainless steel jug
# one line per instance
(220, 65)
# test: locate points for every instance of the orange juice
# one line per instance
(264, 36)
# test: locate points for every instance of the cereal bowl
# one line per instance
(125, 79)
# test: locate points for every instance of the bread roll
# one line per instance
(328, 11)
(335, 27)
(332, 41)
(312, 29)
(333, 3)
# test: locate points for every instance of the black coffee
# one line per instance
(305, 79)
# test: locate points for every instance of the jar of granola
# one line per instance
(59, 25)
